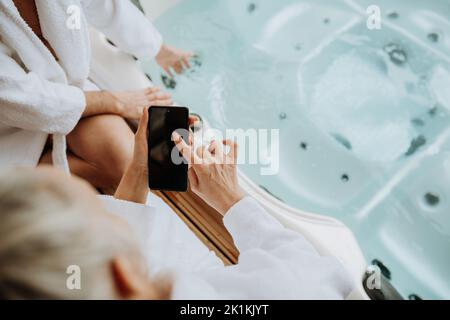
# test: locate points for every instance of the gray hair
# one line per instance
(43, 230)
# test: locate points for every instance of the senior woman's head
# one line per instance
(49, 222)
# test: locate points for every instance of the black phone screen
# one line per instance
(167, 171)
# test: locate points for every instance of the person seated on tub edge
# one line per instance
(45, 91)
(51, 221)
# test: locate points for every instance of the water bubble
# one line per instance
(393, 15)
(196, 61)
(251, 7)
(414, 296)
(418, 122)
(433, 111)
(345, 178)
(432, 199)
(433, 37)
(397, 55)
(282, 116)
(169, 83)
(304, 145)
(342, 140)
(437, 110)
(416, 144)
(384, 270)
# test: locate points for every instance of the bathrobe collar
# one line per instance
(71, 46)
(33, 53)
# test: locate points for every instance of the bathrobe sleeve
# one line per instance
(167, 243)
(274, 263)
(29, 102)
(124, 25)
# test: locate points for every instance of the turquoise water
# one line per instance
(363, 115)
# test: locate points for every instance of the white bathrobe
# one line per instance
(274, 262)
(41, 96)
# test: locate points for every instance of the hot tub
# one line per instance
(364, 115)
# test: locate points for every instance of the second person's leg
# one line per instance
(100, 149)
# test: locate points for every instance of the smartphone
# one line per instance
(167, 169)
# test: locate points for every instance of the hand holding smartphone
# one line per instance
(167, 169)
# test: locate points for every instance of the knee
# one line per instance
(106, 142)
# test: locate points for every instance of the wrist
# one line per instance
(138, 173)
(231, 200)
(133, 185)
(113, 103)
(102, 102)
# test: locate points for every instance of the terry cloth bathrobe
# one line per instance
(274, 262)
(41, 96)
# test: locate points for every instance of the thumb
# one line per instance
(141, 133)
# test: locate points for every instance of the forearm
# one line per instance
(100, 102)
(134, 185)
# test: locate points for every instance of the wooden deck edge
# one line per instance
(205, 222)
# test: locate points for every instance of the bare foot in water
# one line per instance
(132, 103)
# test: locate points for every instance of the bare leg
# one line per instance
(82, 169)
(99, 149)
(106, 143)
